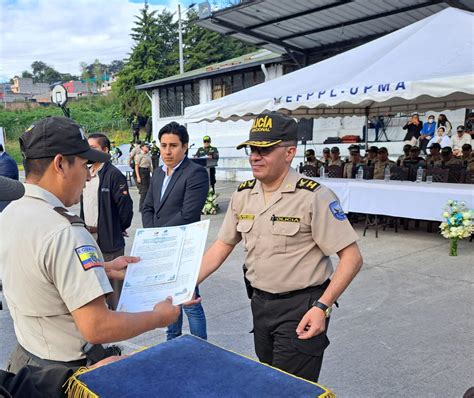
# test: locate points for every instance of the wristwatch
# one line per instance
(327, 310)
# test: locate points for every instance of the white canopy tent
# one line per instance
(428, 65)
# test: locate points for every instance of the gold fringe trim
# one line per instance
(76, 388)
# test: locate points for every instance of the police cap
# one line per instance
(271, 128)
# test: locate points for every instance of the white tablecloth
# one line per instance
(422, 201)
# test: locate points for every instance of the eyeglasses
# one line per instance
(262, 151)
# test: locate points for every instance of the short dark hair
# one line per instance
(175, 128)
(37, 167)
(373, 149)
(435, 145)
(382, 150)
(466, 147)
(102, 139)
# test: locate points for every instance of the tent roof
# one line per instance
(315, 26)
(426, 65)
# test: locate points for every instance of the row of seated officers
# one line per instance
(378, 158)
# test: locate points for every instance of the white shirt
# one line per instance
(167, 178)
(90, 199)
(457, 142)
(443, 141)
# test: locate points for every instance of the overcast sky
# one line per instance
(63, 33)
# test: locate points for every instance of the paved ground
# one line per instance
(404, 327)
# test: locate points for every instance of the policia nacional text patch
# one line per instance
(88, 257)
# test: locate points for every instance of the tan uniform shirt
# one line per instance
(348, 168)
(50, 268)
(453, 161)
(289, 239)
(144, 160)
(337, 162)
(433, 160)
(315, 163)
(379, 168)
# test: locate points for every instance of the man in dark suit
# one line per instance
(176, 196)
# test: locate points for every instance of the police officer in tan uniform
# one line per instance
(143, 170)
(289, 226)
(382, 162)
(54, 276)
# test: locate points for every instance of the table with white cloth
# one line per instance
(417, 200)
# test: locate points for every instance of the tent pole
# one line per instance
(366, 129)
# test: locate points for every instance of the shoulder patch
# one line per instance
(306, 183)
(249, 184)
(337, 211)
(71, 217)
(88, 256)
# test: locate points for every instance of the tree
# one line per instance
(153, 56)
(204, 47)
(98, 72)
(26, 74)
(43, 73)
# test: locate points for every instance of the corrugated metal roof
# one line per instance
(313, 26)
(244, 61)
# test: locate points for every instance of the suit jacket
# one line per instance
(183, 199)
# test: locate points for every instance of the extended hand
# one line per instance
(169, 313)
(115, 269)
(312, 324)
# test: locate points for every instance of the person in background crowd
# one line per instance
(374, 123)
(143, 170)
(414, 157)
(176, 196)
(441, 138)
(458, 140)
(107, 209)
(326, 156)
(115, 152)
(135, 126)
(371, 156)
(310, 159)
(9, 169)
(469, 124)
(447, 158)
(335, 158)
(427, 133)
(350, 168)
(134, 151)
(467, 157)
(413, 127)
(155, 155)
(434, 158)
(443, 121)
(382, 162)
(406, 154)
(210, 152)
(148, 130)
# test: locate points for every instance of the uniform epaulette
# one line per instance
(306, 183)
(249, 184)
(71, 217)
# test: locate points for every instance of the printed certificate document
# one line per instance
(170, 259)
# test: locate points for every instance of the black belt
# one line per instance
(143, 168)
(46, 362)
(275, 296)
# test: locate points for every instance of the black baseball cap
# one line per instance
(271, 128)
(446, 150)
(354, 147)
(55, 135)
(326, 150)
(309, 152)
(10, 189)
(334, 149)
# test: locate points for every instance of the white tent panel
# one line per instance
(428, 65)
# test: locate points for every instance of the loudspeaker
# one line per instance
(305, 130)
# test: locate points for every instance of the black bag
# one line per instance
(332, 140)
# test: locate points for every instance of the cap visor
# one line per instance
(261, 144)
(95, 156)
(11, 189)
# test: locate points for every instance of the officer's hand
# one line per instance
(168, 312)
(312, 323)
(139, 180)
(115, 269)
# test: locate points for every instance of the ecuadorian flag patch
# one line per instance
(89, 257)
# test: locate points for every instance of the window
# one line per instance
(174, 99)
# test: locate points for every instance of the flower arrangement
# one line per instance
(459, 224)
(211, 206)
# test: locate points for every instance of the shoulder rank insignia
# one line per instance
(71, 217)
(306, 183)
(249, 184)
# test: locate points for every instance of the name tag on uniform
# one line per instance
(88, 256)
(105, 190)
(285, 219)
(246, 216)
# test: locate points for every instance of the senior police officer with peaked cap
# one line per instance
(53, 272)
(289, 225)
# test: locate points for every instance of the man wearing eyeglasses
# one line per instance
(289, 225)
